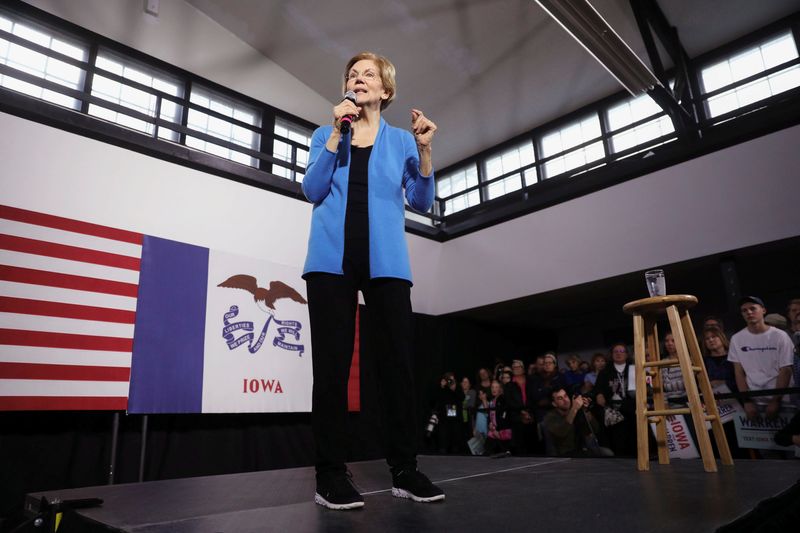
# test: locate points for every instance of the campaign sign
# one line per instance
(760, 432)
(679, 441)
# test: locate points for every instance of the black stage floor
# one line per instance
(510, 494)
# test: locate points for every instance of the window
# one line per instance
(633, 110)
(283, 150)
(568, 137)
(748, 63)
(223, 129)
(41, 65)
(134, 98)
(509, 161)
(455, 183)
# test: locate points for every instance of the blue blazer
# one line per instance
(393, 166)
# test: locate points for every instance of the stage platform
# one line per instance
(509, 494)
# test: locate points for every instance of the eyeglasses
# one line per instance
(368, 75)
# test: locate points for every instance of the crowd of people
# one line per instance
(587, 408)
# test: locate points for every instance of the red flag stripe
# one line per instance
(68, 224)
(85, 312)
(67, 281)
(65, 251)
(63, 403)
(46, 339)
(64, 372)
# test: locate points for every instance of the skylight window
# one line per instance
(283, 150)
(41, 65)
(135, 98)
(456, 182)
(506, 162)
(748, 63)
(564, 139)
(223, 129)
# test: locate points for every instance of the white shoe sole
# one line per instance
(402, 493)
(336, 506)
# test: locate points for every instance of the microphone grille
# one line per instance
(350, 95)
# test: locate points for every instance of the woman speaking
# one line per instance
(356, 181)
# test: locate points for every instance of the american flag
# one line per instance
(68, 294)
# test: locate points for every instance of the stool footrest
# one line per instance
(667, 412)
(672, 361)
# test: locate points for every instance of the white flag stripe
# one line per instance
(65, 325)
(42, 233)
(62, 356)
(45, 387)
(67, 266)
(67, 296)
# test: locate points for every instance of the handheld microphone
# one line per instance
(344, 127)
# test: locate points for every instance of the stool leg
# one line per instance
(642, 451)
(695, 407)
(705, 388)
(658, 390)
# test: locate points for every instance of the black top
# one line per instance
(356, 225)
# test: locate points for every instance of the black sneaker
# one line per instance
(336, 491)
(415, 485)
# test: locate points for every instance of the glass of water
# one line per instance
(656, 284)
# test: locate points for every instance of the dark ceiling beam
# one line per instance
(679, 101)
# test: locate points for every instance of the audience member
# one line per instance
(790, 434)
(532, 369)
(482, 413)
(776, 320)
(518, 395)
(715, 357)
(448, 408)
(505, 376)
(612, 392)
(484, 381)
(713, 321)
(540, 365)
(793, 329)
(672, 377)
(498, 371)
(570, 429)
(468, 405)
(598, 364)
(720, 372)
(499, 437)
(544, 384)
(574, 376)
(762, 357)
(585, 367)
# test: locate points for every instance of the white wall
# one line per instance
(738, 197)
(183, 36)
(53, 171)
(741, 196)
(733, 198)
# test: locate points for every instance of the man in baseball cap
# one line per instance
(762, 358)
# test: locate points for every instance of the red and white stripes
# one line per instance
(67, 312)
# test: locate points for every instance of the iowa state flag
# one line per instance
(218, 333)
(94, 317)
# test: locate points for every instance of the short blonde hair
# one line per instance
(385, 69)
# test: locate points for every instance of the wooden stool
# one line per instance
(645, 312)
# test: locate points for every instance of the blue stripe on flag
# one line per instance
(167, 365)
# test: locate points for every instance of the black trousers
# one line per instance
(332, 301)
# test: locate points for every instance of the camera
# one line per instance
(432, 422)
(451, 381)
